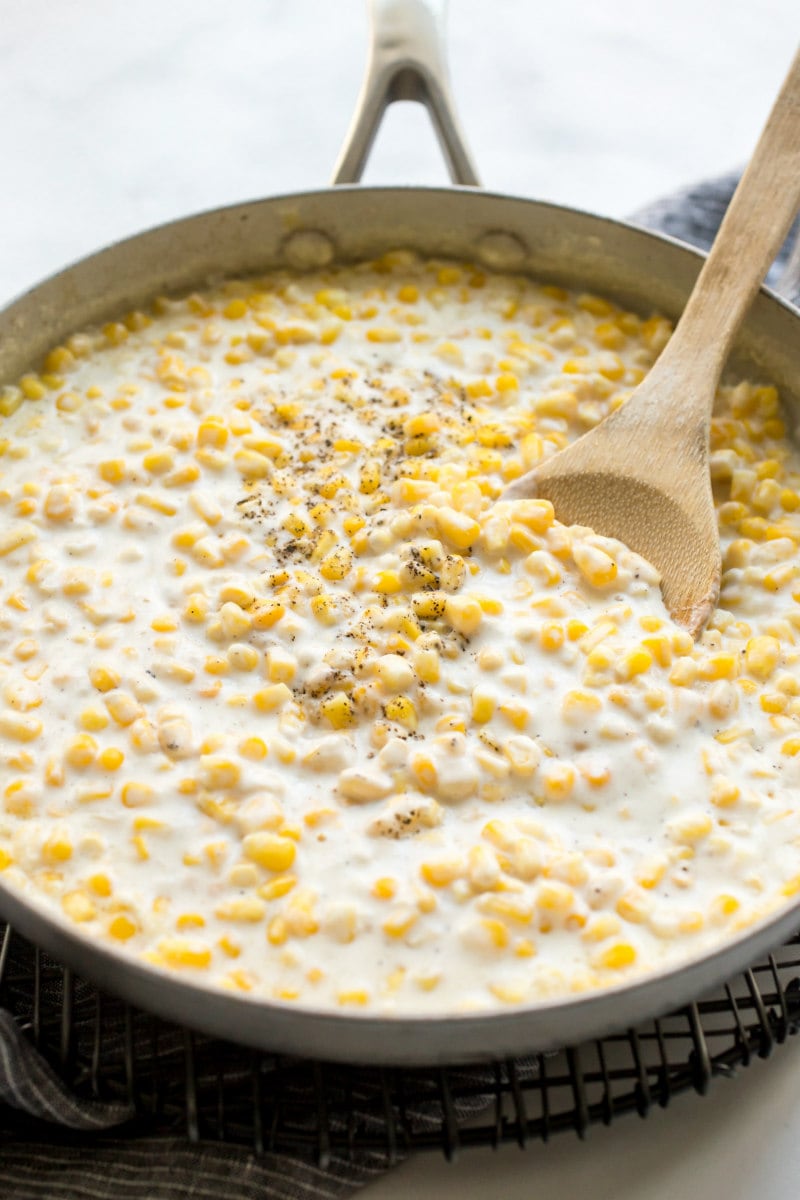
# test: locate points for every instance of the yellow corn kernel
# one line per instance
(421, 423)
(220, 772)
(339, 710)
(59, 503)
(103, 678)
(683, 673)
(660, 647)
(190, 921)
(273, 697)
(401, 709)
(265, 615)
(457, 528)
(336, 565)
(600, 927)
(634, 663)
(442, 872)
(234, 310)
(20, 727)
(507, 382)
(17, 535)
(551, 636)
(483, 705)
(491, 605)
(617, 956)
(393, 672)
(596, 567)
(277, 931)
(243, 657)
(123, 708)
(762, 655)
(724, 905)
(158, 462)
(196, 608)
(181, 952)
(228, 946)
(235, 622)
(429, 606)
(558, 781)
(577, 705)
(516, 714)
(464, 614)
(633, 907)
(720, 666)
(352, 525)
(147, 824)
(294, 524)
(11, 399)
(427, 665)
(122, 927)
(20, 796)
(59, 359)
(357, 997)
(495, 932)
(100, 884)
(81, 751)
(690, 828)
(325, 609)
(140, 846)
(398, 924)
(281, 885)
(78, 906)
(477, 389)
(57, 849)
(31, 387)
(271, 851)
(242, 908)
(135, 794)
(650, 873)
(369, 479)
(243, 875)
(387, 583)
(254, 748)
(383, 335)
(181, 478)
(384, 888)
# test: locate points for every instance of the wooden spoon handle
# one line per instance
(757, 220)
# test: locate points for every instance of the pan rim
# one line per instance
(460, 1036)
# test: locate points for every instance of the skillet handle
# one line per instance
(406, 62)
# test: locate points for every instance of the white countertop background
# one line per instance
(115, 116)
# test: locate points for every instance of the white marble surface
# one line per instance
(117, 116)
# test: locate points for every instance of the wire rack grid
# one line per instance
(183, 1084)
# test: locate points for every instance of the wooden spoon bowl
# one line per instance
(642, 475)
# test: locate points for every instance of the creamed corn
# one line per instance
(293, 702)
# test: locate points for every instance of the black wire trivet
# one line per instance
(189, 1085)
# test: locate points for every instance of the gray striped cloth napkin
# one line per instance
(74, 1149)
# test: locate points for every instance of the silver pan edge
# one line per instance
(641, 270)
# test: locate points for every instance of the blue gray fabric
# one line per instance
(694, 214)
(89, 1163)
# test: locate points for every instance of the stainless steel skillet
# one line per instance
(305, 231)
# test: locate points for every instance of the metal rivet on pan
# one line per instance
(501, 251)
(308, 248)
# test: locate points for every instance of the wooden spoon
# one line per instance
(642, 475)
